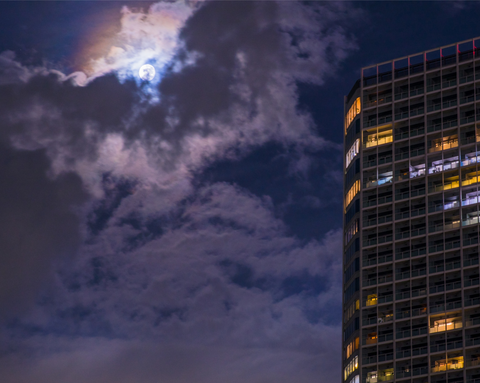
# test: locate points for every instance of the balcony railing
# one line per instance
(471, 261)
(401, 115)
(447, 326)
(419, 331)
(473, 362)
(433, 87)
(417, 111)
(448, 104)
(385, 299)
(471, 282)
(453, 285)
(470, 241)
(404, 295)
(467, 120)
(471, 302)
(419, 292)
(385, 357)
(472, 322)
(402, 334)
(447, 84)
(465, 79)
(467, 99)
(448, 366)
(420, 351)
(472, 342)
(417, 91)
(403, 354)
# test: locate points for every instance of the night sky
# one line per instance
(186, 229)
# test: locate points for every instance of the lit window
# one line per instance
(352, 152)
(372, 377)
(377, 136)
(352, 193)
(351, 367)
(446, 325)
(352, 113)
(371, 300)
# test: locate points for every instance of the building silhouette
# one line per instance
(411, 212)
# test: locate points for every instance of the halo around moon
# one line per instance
(146, 72)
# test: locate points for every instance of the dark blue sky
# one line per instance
(188, 228)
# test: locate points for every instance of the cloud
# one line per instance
(206, 272)
(145, 37)
(119, 361)
(37, 224)
(223, 278)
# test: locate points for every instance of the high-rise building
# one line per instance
(411, 218)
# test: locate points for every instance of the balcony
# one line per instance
(420, 351)
(433, 86)
(400, 95)
(449, 103)
(371, 338)
(471, 220)
(448, 364)
(473, 363)
(385, 298)
(419, 331)
(465, 79)
(378, 139)
(471, 282)
(472, 342)
(401, 115)
(416, 92)
(467, 99)
(372, 300)
(445, 144)
(449, 83)
(380, 376)
(472, 322)
(417, 111)
(446, 325)
(467, 120)
(472, 302)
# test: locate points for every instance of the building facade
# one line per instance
(411, 218)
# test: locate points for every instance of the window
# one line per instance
(352, 113)
(352, 152)
(352, 347)
(351, 231)
(377, 136)
(371, 300)
(351, 367)
(352, 193)
(351, 310)
(372, 377)
(446, 325)
(448, 364)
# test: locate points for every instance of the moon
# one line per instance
(147, 72)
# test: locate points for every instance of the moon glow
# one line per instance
(147, 72)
